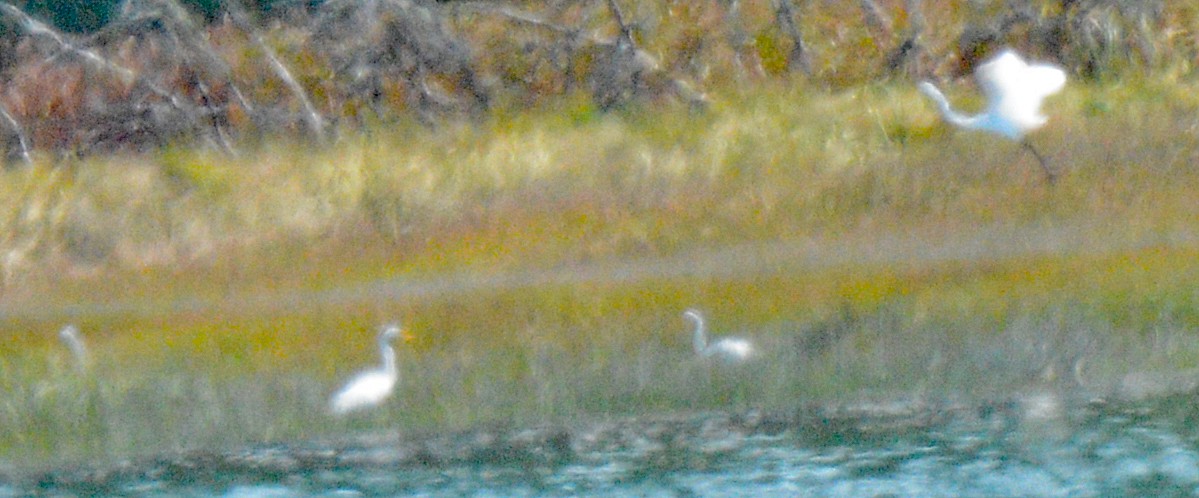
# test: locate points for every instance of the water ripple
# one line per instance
(1146, 449)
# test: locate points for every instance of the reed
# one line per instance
(543, 261)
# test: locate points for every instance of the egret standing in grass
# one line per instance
(1014, 91)
(70, 337)
(371, 387)
(729, 349)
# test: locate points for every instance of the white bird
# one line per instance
(730, 349)
(69, 335)
(1014, 91)
(371, 387)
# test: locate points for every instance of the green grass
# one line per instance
(543, 261)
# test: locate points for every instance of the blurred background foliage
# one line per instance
(137, 75)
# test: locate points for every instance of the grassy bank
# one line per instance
(543, 261)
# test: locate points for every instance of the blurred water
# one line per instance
(1146, 449)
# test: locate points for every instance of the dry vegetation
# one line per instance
(540, 208)
(156, 75)
(201, 101)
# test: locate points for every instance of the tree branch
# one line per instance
(626, 32)
(316, 124)
(785, 13)
(38, 28)
(22, 142)
(640, 60)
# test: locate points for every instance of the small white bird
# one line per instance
(1014, 91)
(70, 337)
(729, 349)
(371, 387)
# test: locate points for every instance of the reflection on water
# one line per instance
(997, 449)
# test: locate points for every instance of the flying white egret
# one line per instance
(371, 387)
(730, 349)
(1014, 91)
(69, 335)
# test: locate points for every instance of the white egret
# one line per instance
(1014, 91)
(730, 349)
(371, 387)
(70, 337)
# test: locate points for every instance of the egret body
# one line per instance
(731, 349)
(1014, 91)
(371, 387)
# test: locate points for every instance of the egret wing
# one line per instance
(1045, 80)
(1015, 91)
(999, 77)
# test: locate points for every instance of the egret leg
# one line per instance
(1049, 174)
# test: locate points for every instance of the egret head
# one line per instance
(693, 314)
(69, 333)
(393, 331)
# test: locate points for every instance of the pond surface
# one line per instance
(1031, 446)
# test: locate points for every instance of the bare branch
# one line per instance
(22, 142)
(199, 51)
(38, 28)
(627, 65)
(876, 19)
(907, 53)
(739, 41)
(405, 40)
(192, 51)
(785, 13)
(316, 124)
(524, 18)
(626, 33)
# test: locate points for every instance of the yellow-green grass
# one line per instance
(543, 261)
